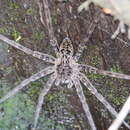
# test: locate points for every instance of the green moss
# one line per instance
(34, 89)
(16, 35)
(3, 30)
(116, 68)
(12, 17)
(29, 11)
(95, 77)
(50, 125)
(17, 113)
(54, 19)
(13, 5)
(117, 94)
(95, 60)
(56, 95)
(38, 35)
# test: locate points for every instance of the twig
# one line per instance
(120, 28)
(121, 116)
(40, 12)
(48, 19)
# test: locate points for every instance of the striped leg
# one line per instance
(55, 46)
(87, 68)
(41, 98)
(94, 91)
(79, 52)
(82, 46)
(25, 82)
(84, 103)
(39, 55)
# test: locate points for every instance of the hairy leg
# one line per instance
(55, 46)
(57, 82)
(91, 69)
(94, 91)
(84, 103)
(79, 52)
(70, 84)
(25, 82)
(39, 55)
(41, 98)
(82, 46)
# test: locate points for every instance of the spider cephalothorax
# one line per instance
(66, 47)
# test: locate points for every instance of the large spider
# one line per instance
(63, 70)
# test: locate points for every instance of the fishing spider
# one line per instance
(64, 69)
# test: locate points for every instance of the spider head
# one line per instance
(66, 47)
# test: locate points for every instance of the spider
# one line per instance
(64, 69)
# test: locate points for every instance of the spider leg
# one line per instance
(39, 55)
(94, 91)
(57, 82)
(55, 46)
(84, 103)
(41, 98)
(82, 46)
(79, 52)
(91, 69)
(25, 82)
(70, 84)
